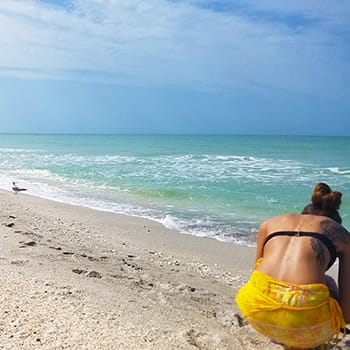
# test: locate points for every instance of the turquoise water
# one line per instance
(215, 186)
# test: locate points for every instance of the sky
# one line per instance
(175, 66)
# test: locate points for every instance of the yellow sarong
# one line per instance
(301, 316)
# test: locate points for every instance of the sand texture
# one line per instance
(77, 278)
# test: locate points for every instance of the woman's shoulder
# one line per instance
(334, 230)
(281, 218)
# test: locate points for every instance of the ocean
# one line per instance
(210, 186)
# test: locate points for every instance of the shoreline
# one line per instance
(161, 231)
(75, 277)
(156, 215)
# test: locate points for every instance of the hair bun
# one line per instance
(324, 198)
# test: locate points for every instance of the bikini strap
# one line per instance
(325, 240)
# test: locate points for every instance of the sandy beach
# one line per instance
(78, 278)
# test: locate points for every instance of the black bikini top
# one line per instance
(326, 241)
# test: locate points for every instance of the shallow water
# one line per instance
(215, 186)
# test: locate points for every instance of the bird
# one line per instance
(17, 189)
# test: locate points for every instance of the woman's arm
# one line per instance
(344, 284)
(341, 239)
(260, 243)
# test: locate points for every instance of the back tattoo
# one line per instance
(333, 231)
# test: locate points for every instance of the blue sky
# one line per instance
(175, 66)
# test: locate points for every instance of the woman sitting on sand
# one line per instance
(289, 297)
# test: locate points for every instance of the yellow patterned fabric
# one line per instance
(301, 316)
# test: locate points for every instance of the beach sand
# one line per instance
(78, 278)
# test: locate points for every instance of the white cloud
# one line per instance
(179, 43)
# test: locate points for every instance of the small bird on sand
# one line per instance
(17, 189)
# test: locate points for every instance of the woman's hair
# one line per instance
(324, 202)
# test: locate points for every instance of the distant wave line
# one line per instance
(19, 150)
(340, 171)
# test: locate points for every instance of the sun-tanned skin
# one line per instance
(298, 249)
(304, 260)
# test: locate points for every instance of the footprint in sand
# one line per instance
(91, 258)
(56, 248)
(131, 264)
(93, 274)
(19, 262)
(27, 244)
(35, 235)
